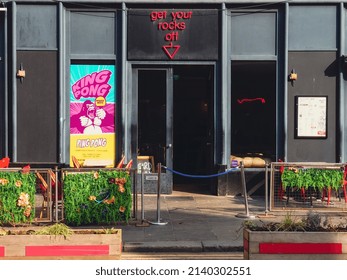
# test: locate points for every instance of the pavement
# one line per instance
(190, 222)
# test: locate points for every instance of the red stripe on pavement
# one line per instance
(300, 248)
(83, 250)
(2, 251)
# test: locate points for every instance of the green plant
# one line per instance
(290, 224)
(17, 197)
(289, 178)
(100, 197)
(312, 177)
(56, 229)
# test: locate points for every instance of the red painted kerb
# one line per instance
(74, 250)
(300, 248)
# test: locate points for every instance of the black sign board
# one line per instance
(173, 34)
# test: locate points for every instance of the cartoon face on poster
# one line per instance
(92, 115)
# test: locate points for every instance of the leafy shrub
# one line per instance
(100, 197)
(17, 197)
(311, 177)
(56, 229)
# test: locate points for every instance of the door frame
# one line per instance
(130, 107)
(169, 116)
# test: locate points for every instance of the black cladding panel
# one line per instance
(37, 107)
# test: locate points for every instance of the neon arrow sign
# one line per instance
(167, 48)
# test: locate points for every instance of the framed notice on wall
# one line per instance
(311, 116)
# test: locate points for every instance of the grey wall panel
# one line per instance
(317, 73)
(312, 28)
(253, 33)
(37, 26)
(93, 33)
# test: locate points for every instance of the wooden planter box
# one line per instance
(285, 245)
(75, 246)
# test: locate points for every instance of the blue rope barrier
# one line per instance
(199, 176)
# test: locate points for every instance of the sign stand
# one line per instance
(158, 222)
(143, 222)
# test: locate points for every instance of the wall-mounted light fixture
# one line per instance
(21, 73)
(293, 76)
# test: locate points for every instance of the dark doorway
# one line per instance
(253, 108)
(193, 126)
(175, 122)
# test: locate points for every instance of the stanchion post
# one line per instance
(142, 195)
(135, 195)
(56, 190)
(158, 222)
(266, 188)
(243, 182)
(143, 223)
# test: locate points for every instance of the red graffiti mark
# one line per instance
(171, 46)
(240, 101)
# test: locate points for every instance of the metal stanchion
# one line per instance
(266, 189)
(135, 195)
(243, 181)
(56, 195)
(267, 214)
(158, 222)
(143, 222)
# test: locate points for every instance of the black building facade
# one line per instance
(186, 84)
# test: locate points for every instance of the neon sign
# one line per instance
(173, 27)
(240, 101)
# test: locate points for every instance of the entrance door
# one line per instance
(193, 127)
(175, 123)
(154, 130)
